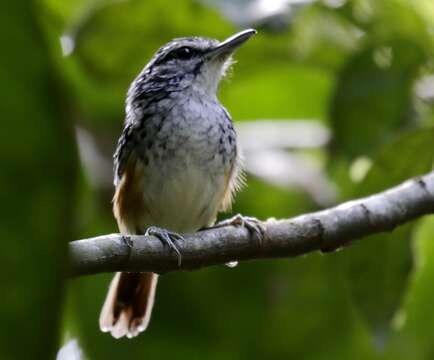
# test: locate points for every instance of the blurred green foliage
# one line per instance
(351, 67)
(38, 180)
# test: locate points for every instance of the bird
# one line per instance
(177, 163)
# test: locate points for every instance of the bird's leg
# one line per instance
(167, 237)
(252, 224)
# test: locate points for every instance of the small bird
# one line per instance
(177, 163)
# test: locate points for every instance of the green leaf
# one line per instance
(37, 154)
(378, 267)
(373, 97)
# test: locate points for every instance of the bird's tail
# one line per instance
(128, 305)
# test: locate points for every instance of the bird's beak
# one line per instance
(228, 46)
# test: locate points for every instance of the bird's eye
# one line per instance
(184, 53)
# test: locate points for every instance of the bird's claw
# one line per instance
(252, 224)
(167, 237)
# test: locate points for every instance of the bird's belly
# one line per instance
(183, 199)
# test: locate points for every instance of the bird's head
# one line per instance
(194, 62)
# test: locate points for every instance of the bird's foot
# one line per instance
(252, 224)
(167, 237)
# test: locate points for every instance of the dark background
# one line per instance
(333, 100)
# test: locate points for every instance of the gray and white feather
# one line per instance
(180, 131)
(176, 165)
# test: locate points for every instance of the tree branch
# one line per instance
(325, 230)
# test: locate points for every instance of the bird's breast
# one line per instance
(186, 165)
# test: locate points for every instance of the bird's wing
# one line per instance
(234, 181)
(123, 152)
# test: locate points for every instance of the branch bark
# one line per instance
(325, 230)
